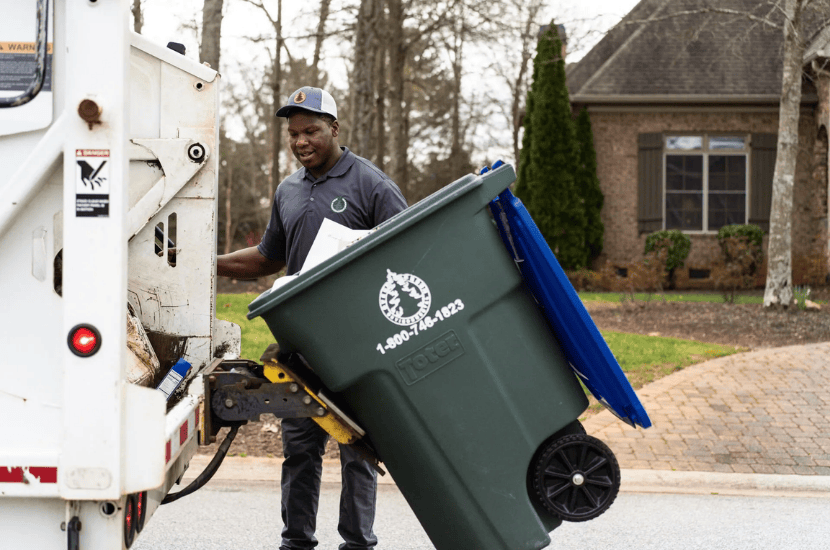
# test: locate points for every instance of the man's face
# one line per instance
(313, 142)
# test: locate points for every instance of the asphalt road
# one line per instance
(246, 515)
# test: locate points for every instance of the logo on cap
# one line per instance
(299, 98)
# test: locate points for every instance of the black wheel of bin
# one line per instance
(573, 428)
(576, 477)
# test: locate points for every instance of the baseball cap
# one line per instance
(311, 99)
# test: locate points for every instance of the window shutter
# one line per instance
(762, 169)
(650, 184)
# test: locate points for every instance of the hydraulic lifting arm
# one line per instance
(237, 391)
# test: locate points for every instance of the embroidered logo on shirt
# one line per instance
(338, 205)
(299, 98)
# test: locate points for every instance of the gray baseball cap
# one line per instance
(311, 99)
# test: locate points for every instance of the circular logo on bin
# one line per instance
(404, 298)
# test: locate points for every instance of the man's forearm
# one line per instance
(247, 263)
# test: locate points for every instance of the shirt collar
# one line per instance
(342, 166)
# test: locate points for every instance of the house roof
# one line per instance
(657, 51)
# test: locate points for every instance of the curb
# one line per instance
(260, 469)
(716, 483)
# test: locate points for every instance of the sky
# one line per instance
(164, 21)
(163, 18)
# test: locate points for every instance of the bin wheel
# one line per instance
(576, 477)
(573, 428)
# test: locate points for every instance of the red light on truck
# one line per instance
(84, 340)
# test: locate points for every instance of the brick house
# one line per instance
(684, 112)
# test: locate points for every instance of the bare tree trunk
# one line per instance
(458, 44)
(211, 33)
(519, 89)
(779, 289)
(277, 93)
(380, 110)
(397, 125)
(364, 78)
(318, 41)
(138, 16)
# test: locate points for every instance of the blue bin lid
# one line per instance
(584, 346)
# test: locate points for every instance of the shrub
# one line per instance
(676, 246)
(741, 256)
(752, 234)
(584, 279)
(641, 277)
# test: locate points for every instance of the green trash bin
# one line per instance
(425, 330)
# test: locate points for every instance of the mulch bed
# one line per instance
(747, 325)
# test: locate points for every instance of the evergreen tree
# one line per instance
(548, 159)
(521, 189)
(587, 184)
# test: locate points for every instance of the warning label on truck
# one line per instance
(17, 66)
(92, 183)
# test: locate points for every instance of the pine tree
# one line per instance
(522, 190)
(587, 184)
(548, 159)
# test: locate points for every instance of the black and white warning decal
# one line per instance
(92, 183)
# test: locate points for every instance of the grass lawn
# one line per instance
(255, 334)
(644, 359)
(668, 297)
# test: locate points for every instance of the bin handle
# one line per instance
(506, 226)
(40, 64)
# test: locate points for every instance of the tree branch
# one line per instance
(723, 11)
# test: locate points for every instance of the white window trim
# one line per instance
(705, 151)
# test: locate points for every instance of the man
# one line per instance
(334, 183)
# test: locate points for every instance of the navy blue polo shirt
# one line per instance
(354, 193)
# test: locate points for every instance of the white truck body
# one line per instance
(75, 437)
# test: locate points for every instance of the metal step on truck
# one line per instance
(108, 184)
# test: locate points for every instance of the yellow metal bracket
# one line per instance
(332, 420)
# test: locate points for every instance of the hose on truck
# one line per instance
(209, 470)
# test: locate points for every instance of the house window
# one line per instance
(705, 181)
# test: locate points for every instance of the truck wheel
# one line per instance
(140, 510)
(129, 520)
(576, 477)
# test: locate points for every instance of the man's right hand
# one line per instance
(247, 263)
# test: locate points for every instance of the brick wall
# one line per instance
(615, 139)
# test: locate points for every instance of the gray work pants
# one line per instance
(304, 443)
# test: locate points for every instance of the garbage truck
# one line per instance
(464, 377)
(108, 148)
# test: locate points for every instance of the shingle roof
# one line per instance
(653, 52)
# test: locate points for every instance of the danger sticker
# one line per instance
(92, 183)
